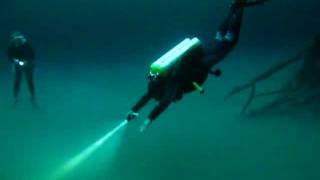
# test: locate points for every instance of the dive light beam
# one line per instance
(77, 160)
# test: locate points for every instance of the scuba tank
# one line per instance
(171, 60)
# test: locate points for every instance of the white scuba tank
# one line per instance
(165, 63)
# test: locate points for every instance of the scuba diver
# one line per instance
(193, 67)
(21, 55)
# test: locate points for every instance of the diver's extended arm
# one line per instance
(169, 96)
(162, 106)
(140, 104)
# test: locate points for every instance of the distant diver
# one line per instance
(186, 67)
(301, 92)
(21, 55)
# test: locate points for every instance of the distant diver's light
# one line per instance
(77, 160)
(19, 62)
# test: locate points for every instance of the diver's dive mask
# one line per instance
(18, 38)
(153, 76)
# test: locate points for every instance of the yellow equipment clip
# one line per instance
(198, 87)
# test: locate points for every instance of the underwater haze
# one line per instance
(92, 57)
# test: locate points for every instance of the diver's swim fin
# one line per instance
(145, 125)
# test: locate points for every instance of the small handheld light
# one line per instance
(21, 63)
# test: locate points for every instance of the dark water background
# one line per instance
(92, 57)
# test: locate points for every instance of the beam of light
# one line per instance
(85, 154)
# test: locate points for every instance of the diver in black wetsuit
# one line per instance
(21, 55)
(172, 87)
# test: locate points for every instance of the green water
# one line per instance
(92, 59)
(202, 137)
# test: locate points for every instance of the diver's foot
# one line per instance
(145, 125)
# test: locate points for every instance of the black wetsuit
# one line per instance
(25, 53)
(170, 89)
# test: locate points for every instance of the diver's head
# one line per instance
(18, 38)
(153, 76)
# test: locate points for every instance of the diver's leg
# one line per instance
(140, 104)
(168, 98)
(30, 82)
(228, 34)
(159, 109)
(233, 18)
(17, 82)
(235, 21)
(226, 37)
(223, 27)
(229, 29)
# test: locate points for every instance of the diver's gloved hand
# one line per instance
(145, 125)
(131, 116)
